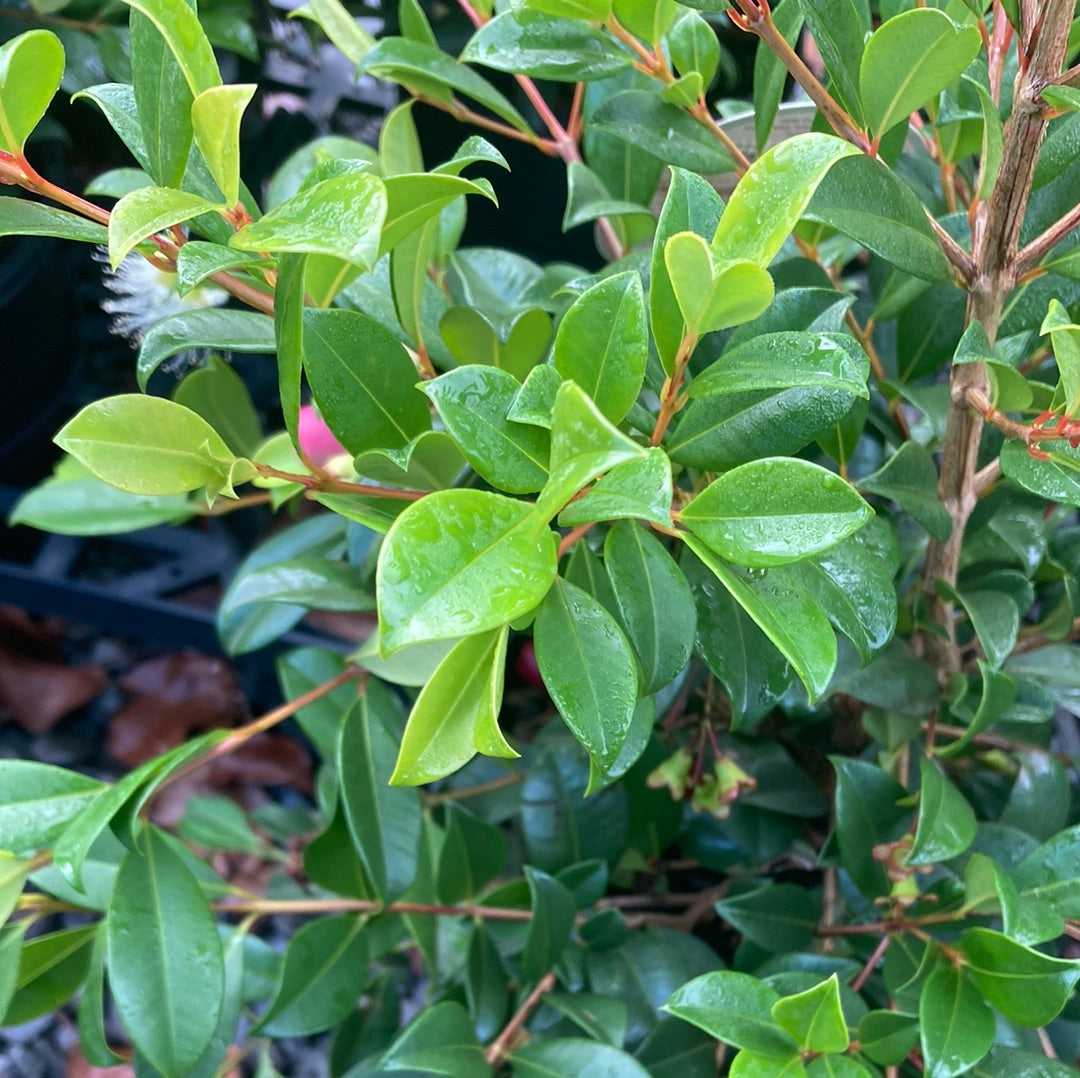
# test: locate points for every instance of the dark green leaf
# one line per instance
(552, 921)
(21, 217)
(37, 801)
(49, 970)
(473, 853)
(955, 1025)
(779, 918)
(909, 478)
(572, 1055)
(946, 824)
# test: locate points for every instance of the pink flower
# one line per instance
(316, 438)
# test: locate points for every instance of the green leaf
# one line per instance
(412, 200)
(1056, 479)
(1015, 1063)
(908, 61)
(786, 360)
(362, 380)
(840, 27)
(732, 1007)
(320, 977)
(691, 205)
(956, 1027)
(473, 853)
(780, 917)
(459, 563)
(473, 402)
(341, 217)
(947, 824)
(553, 912)
(784, 612)
(471, 338)
(147, 445)
(1050, 874)
(92, 1036)
(1039, 799)
(218, 823)
(994, 617)
(431, 461)
(886, 1037)
(21, 217)
(218, 394)
(456, 714)
(148, 210)
(13, 873)
(1028, 987)
(166, 968)
(1065, 337)
(545, 47)
(179, 25)
(314, 583)
(865, 200)
(655, 605)
(588, 199)
(215, 118)
(713, 294)
(50, 969)
(909, 478)
(486, 985)
(772, 195)
(427, 69)
(589, 669)
(603, 343)
(665, 131)
(814, 1017)
(31, 66)
(583, 445)
(384, 820)
(694, 47)
(754, 1065)
(37, 801)
(639, 489)
(771, 512)
(770, 75)
(574, 1055)
(594, 10)
(342, 29)
(225, 330)
(11, 941)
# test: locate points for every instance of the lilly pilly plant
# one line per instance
(783, 496)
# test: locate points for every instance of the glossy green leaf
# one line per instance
(161, 936)
(756, 1065)
(315, 583)
(771, 512)
(734, 1008)
(412, 200)
(1050, 875)
(148, 210)
(431, 461)
(384, 820)
(471, 338)
(772, 195)
(1015, 1063)
(574, 1055)
(909, 478)
(956, 1027)
(147, 445)
(589, 670)
(780, 918)
(603, 343)
(341, 217)
(946, 825)
(865, 200)
(21, 217)
(92, 1036)
(655, 606)
(320, 979)
(473, 402)
(770, 75)
(787, 360)
(37, 801)
(456, 714)
(713, 294)
(545, 47)
(840, 27)
(342, 28)
(1056, 479)
(11, 941)
(886, 1037)
(691, 205)
(225, 330)
(1039, 799)
(784, 612)
(50, 968)
(583, 445)
(13, 873)
(814, 1018)
(553, 912)
(594, 10)
(639, 489)
(218, 394)
(486, 985)
(1065, 338)
(588, 199)
(910, 59)
(994, 617)
(179, 25)
(215, 118)
(362, 380)
(31, 66)
(473, 853)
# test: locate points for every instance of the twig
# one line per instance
(481, 788)
(868, 967)
(505, 1041)
(1046, 241)
(572, 536)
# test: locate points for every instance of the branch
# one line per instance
(1046, 241)
(504, 1042)
(960, 260)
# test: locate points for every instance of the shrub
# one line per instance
(781, 497)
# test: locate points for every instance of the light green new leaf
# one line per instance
(594, 10)
(771, 512)
(458, 563)
(179, 25)
(13, 873)
(771, 196)
(165, 962)
(384, 820)
(733, 1008)
(457, 713)
(341, 217)
(413, 200)
(147, 445)
(1028, 987)
(50, 969)
(31, 66)
(342, 29)
(215, 119)
(589, 670)
(814, 1018)
(947, 823)
(639, 489)
(1065, 337)
(910, 59)
(784, 612)
(603, 343)
(956, 1026)
(21, 217)
(146, 211)
(473, 402)
(713, 294)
